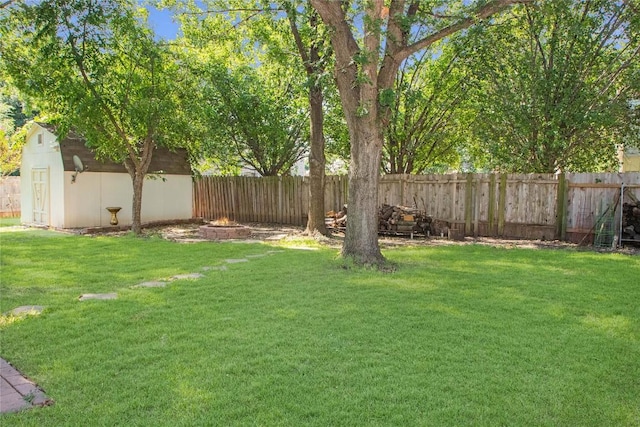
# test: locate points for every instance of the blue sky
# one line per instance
(162, 23)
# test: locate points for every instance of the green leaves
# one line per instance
(387, 97)
(553, 84)
(428, 105)
(94, 65)
(254, 117)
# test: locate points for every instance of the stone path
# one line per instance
(18, 393)
(236, 261)
(188, 276)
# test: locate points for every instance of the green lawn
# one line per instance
(9, 221)
(459, 335)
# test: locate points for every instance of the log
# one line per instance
(631, 221)
(401, 220)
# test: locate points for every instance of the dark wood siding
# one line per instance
(170, 162)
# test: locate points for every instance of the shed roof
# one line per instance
(170, 162)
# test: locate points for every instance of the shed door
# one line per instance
(40, 186)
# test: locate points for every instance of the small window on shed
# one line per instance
(40, 139)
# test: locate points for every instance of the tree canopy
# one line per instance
(425, 130)
(260, 116)
(14, 114)
(555, 80)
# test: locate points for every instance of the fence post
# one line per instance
(502, 203)
(477, 184)
(492, 204)
(280, 200)
(561, 207)
(468, 204)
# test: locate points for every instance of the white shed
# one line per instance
(55, 195)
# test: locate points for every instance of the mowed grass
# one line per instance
(459, 335)
(9, 221)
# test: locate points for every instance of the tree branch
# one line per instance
(240, 9)
(345, 49)
(6, 4)
(483, 12)
(302, 50)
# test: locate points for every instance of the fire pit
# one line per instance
(223, 229)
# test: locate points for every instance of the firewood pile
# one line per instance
(399, 220)
(631, 221)
(338, 219)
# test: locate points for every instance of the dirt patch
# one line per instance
(186, 233)
(502, 243)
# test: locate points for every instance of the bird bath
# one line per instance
(114, 211)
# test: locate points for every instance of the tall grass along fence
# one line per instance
(532, 206)
(10, 196)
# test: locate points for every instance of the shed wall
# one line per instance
(86, 200)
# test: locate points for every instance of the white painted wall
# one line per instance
(86, 200)
(82, 199)
(169, 199)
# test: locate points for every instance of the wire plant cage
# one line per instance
(605, 228)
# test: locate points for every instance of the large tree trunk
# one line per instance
(360, 104)
(315, 221)
(361, 240)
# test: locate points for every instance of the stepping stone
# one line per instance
(25, 310)
(276, 237)
(191, 276)
(218, 268)
(236, 261)
(152, 284)
(85, 297)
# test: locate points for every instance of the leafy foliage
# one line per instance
(10, 155)
(260, 117)
(554, 85)
(429, 102)
(250, 85)
(14, 115)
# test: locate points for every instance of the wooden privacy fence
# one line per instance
(530, 206)
(10, 196)
(283, 200)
